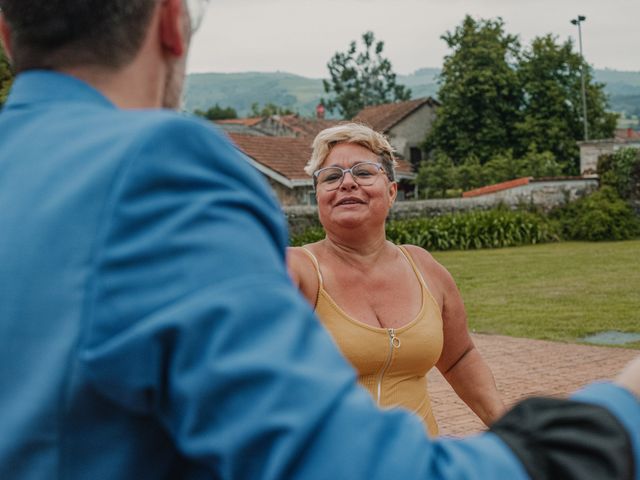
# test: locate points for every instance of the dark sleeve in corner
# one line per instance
(565, 439)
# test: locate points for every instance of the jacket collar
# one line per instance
(40, 86)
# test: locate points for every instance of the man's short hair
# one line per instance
(53, 34)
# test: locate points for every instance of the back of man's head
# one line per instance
(58, 34)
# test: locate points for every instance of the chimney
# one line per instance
(320, 111)
(629, 132)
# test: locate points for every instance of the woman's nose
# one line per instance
(348, 181)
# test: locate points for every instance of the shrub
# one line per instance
(621, 171)
(471, 230)
(603, 215)
(461, 231)
(310, 235)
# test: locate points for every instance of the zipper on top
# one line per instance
(394, 342)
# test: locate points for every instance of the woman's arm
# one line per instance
(460, 362)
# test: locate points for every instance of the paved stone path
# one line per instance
(523, 368)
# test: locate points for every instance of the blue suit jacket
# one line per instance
(148, 328)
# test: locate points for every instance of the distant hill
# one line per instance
(302, 94)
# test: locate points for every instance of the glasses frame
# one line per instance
(379, 166)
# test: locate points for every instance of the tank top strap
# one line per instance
(418, 273)
(316, 265)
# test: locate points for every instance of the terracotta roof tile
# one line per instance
(285, 155)
(404, 168)
(304, 126)
(248, 122)
(289, 155)
(383, 117)
(497, 187)
(626, 134)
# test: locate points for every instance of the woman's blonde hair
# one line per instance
(352, 133)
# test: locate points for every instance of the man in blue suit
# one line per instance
(148, 328)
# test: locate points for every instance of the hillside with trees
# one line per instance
(301, 94)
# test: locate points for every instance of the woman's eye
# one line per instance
(332, 177)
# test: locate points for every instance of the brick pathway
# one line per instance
(523, 368)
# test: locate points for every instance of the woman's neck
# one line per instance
(364, 250)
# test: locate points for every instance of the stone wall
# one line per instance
(544, 194)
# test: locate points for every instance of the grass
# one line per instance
(560, 291)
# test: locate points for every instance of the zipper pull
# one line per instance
(393, 339)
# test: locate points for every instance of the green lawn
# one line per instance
(558, 291)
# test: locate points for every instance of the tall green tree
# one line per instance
(361, 77)
(6, 76)
(552, 115)
(479, 92)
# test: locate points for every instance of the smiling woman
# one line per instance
(394, 311)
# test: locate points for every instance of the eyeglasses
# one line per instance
(330, 178)
(196, 9)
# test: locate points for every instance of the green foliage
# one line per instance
(539, 164)
(6, 76)
(479, 92)
(269, 109)
(621, 171)
(603, 215)
(309, 235)
(470, 174)
(360, 78)
(471, 230)
(501, 167)
(302, 94)
(217, 113)
(552, 114)
(436, 176)
(497, 97)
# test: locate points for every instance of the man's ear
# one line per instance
(5, 36)
(174, 27)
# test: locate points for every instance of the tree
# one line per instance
(268, 110)
(552, 116)
(479, 92)
(501, 167)
(435, 176)
(539, 164)
(6, 76)
(469, 174)
(217, 113)
(361, 78)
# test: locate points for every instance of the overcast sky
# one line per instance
(300, 36)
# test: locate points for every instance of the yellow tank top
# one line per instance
(391, 363)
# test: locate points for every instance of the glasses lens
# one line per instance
(330, 176)
(196, 9)
(365, 173)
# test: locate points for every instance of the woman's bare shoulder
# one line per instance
(302, 271)
(428, 265)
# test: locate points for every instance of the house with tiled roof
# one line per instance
(406, 124)
(240, 125)
(282, 160)
(591, 150)
(293, 125)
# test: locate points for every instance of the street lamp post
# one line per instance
(577, 21)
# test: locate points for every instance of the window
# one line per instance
(415, 155)
(311, 199)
